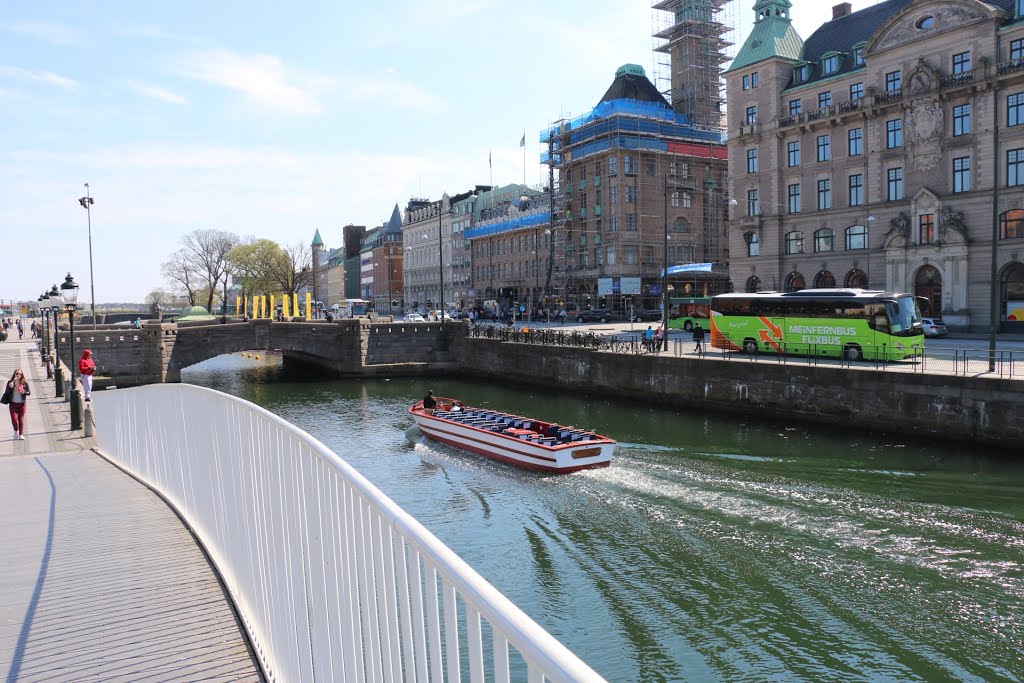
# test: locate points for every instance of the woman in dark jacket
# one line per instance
(15, 395)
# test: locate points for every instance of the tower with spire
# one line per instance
(316, 248)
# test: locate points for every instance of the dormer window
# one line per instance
(829, 64)
(858, 55)
(800, 73)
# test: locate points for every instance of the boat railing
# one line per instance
(332, 580)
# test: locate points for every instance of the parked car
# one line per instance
(594, 315)
(646, 315)
(413, 318)
(934, 327)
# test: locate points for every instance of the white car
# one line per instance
(933, 327)
(413, 318)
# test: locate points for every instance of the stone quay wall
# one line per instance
(974, 409)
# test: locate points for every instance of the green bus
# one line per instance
(685, 311)
(854, 324)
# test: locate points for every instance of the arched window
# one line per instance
(823, 240)
(857, 279)
(753, 244)
(753, 284)
(856, 237)
(795, 282)
(682, 225)
(794, 242)
(1011, 224)
(824, 279)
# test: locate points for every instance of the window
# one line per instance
(962, 119)
(630, 195)
(794, 107)
(1015, 109)
(962, 174)
(824, 194)
(609, 256)
(856, 91)
(824, 147)
(684, 169)
(824, 99)
(597, 168)
(893, 81)
(823, 240)
(795, 282)
(752, 160)
(1017, 49)
(856, 237)
(961, 62)
(1011, 224)
(894, 133)
(793, 153)
(895, 184)
(1015, 167)
(753, 244)
(650, 167)
(753, 80)
(751, 202)
(629, 255)
(858, 56)
(672, 167)
(830, 65)
(800, 73)
(794, 198)
(746, 82)
(682, 225)
(628, 167)
(675, 199)
(926, 228)
(631, 222)
(614, 225)
(687, 200)
(794, 242)
(751, 115)
(856, 193)
(855, 142)
(925, 23)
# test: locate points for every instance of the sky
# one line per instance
(271, 119)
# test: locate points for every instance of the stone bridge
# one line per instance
(344, 348)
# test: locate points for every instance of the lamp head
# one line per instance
(69, 293)
(53, 298)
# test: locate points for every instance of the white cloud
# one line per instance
(56, 34)
(157, 93)
(262, 78)
(154, 32)
(37, 75)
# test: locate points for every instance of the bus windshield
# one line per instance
(904, 317)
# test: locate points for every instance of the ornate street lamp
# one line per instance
(55, 306)
(40, 302)
(69, 293)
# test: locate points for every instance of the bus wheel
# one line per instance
(688, 326)
(852, 352)
(749, 346)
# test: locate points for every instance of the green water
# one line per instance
(713, 548)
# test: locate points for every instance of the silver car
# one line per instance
(934, 327)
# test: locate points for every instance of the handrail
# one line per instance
(333, 580)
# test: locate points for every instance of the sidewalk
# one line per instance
(48, 418)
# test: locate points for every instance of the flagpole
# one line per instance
(524, 157)
(490, 165)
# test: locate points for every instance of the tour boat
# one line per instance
(517, 440)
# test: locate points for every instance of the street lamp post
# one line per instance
(42, 301)
(440, 261)
(87, 203)
(55, 306)
(69, 292)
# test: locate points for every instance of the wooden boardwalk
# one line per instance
(99, 579)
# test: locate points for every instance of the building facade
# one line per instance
(886, 152)
(387, 259)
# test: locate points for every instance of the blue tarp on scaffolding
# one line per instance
(529, 220)
(688, 268)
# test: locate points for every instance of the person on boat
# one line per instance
(429, 402)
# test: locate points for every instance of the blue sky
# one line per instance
(274, 119)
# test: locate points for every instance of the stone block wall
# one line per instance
(964, 408)
(118, 354)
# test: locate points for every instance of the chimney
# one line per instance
(841, 10)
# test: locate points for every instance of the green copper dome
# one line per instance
(773, 35)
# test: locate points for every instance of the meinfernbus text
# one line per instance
(853, 323)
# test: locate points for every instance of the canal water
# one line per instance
(713, 548)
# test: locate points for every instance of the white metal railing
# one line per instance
(333, 580)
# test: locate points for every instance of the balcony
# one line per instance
(956, 80)
(822, 113)
(889, 96)
(1010, 67)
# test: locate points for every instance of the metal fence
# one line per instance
(927, 359)
(333, 581)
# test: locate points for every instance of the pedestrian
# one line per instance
(15, 394)
(32, 328)
(659, 338)
(86, 368)
(698, 339)
(649, 338)
(21, 329)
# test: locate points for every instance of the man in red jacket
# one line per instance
(86, 367)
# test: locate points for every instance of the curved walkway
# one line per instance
(100, 580)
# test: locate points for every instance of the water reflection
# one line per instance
(713, 549)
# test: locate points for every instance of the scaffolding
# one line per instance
(691, 44)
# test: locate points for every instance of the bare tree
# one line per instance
(293, 268)
(207, 252)
(181, 273)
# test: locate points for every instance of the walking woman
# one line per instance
(15, 394)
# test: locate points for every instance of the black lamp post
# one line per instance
(440, 261)
(40, 302)
(58, 376)
(69, 293)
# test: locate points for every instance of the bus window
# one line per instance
(904, 316)
(878, 318)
